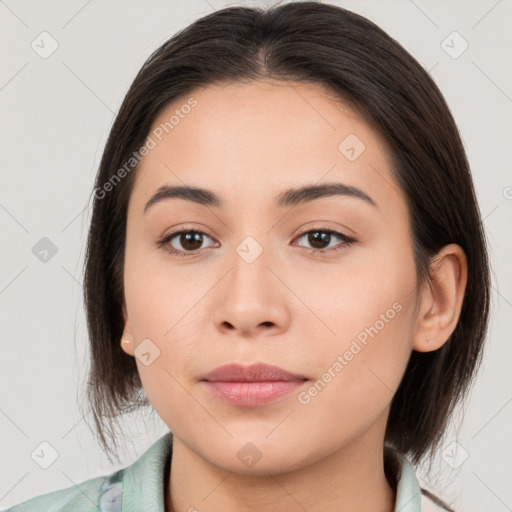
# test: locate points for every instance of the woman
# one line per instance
(286, 260)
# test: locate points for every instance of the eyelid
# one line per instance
(166, 239)
(323, 225)
(346, 240)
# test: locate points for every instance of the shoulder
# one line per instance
(137, 487)
(99, 494)
(410, 497)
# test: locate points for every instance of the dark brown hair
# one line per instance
(363, 67)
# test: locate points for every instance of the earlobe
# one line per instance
(441, 300)
(127, 344)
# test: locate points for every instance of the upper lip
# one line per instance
(258, 372)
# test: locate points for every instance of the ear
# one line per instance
(441, 299)
(127, 340)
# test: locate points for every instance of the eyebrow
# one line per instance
(291, 197)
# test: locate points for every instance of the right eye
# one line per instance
(189, 239)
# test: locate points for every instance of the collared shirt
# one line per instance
(140, 488)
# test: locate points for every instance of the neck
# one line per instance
(351, 478)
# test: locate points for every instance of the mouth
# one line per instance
(251, 386)
(258, 372)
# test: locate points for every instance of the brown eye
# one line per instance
(319, 239)
(183, 243)
(187, 242)
(190, 241)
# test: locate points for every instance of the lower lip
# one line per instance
(252, 394)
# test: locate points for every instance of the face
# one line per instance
(248, 282)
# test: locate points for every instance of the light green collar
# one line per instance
(143, 481)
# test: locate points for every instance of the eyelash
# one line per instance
(163, 243)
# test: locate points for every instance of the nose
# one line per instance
(251, 301)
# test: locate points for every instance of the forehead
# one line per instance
(249, 141)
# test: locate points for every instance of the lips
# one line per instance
(251, 386)
(258, 372)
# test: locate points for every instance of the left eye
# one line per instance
(191, 241)
(321, 236)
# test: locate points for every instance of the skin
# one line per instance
(291, 308)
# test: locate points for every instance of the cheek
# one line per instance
(167, 303)
(160, 293)
(368, 293)
(360, 368)
(368, 307)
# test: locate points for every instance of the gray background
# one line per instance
(55, 116)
